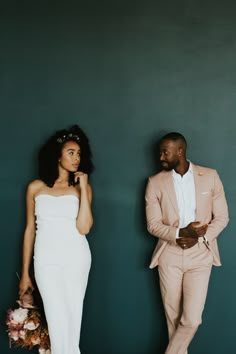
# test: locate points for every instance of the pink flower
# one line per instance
(22, 334)
(9, 313)
(14, 335)
(13, 323)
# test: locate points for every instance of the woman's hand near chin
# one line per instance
(82, 178)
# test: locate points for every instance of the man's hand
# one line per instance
(193, 230)
(186, 242)
(188, 236)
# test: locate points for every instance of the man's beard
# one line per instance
(168, 166)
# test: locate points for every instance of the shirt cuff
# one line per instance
(205, 239)
(177, 234)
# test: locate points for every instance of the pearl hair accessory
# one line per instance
(67, 137)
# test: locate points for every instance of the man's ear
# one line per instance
(181, 151)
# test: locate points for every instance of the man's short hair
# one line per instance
(175, 137)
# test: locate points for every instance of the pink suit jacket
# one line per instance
(162, 209)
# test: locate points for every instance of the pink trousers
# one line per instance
(184, 277)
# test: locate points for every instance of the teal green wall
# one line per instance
(127, 72)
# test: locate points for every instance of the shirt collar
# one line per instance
(188, 173)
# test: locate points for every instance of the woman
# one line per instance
(61, 202)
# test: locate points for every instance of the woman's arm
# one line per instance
(28, 242)
(85, 217)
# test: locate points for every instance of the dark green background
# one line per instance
(127, 72)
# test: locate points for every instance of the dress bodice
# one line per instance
(56, 208)
(57, 236)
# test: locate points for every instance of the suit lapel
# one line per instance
(197, 181)
(169, 184)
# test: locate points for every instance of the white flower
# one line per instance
(19, 315)
(42, 351)
(15, 338)
(31, 326)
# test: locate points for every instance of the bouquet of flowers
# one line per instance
(25, 326)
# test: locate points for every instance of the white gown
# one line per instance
(62, 262)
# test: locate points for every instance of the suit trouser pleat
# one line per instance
(184, 278)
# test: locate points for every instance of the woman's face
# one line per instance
(70, 156)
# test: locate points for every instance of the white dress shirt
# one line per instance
(186, 198)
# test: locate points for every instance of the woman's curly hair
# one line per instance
(50, 153)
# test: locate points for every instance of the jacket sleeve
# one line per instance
(155, 225)
(220, 216)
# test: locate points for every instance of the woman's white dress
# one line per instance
(62, 262)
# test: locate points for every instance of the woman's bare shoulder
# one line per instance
(34, 186)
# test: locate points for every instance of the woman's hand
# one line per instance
(82, 178)
(25, 286)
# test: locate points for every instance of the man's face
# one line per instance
(169, 156)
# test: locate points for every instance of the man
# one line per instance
(186, 209)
